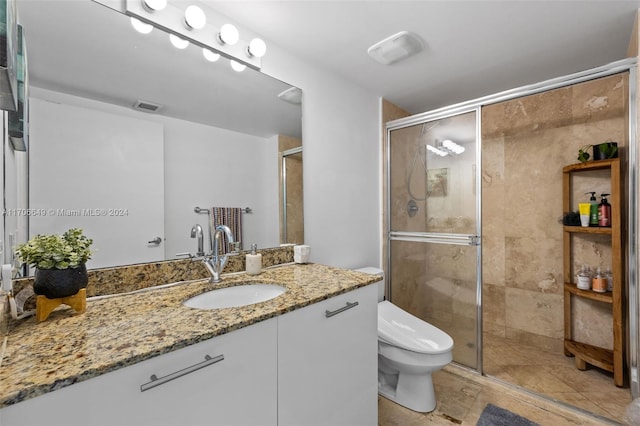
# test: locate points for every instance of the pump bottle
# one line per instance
(593, 211)
(604, 212)
(253, 261)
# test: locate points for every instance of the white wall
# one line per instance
(207, 166)
(101, 172)
(341, 152)
(341, 140)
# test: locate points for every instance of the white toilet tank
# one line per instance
(375, 271)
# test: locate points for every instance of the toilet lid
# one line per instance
(406, 331)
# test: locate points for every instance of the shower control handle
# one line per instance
(329, 313)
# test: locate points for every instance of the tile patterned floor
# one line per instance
(462, 394)
(554, 375)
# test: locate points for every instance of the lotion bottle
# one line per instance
(254, 261)
(604, 212)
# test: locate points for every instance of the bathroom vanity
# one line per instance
(306, 357)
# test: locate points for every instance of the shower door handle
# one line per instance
(435, 237)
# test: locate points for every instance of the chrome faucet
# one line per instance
(215, 262)
(196, 232)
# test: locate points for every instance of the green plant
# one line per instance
(68, 250)
(583, 155)
(608, 149)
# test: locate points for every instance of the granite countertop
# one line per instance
(122, 330)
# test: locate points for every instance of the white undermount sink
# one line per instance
(233, 297)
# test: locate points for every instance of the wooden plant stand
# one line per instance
(44, 305)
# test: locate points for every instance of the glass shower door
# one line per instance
(434, 251)
(291, 203)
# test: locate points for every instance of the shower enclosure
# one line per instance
(434, 225)
(510, 290)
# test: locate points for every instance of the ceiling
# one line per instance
(471, 48)
(82, 48)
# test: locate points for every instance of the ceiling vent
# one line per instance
(146, 106)
(395, 48)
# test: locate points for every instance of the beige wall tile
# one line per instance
(526, 142)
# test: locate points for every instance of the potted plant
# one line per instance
(605, 150)
(583, 155)
(59, 261)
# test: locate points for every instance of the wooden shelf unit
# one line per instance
(607, 359)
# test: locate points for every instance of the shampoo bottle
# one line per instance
(593, 211)
(604, 212)
(254, 261)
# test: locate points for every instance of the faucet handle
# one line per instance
(185, 254)
(236, 246)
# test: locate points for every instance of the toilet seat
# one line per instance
(399, 328)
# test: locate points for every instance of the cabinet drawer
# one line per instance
(215, 393)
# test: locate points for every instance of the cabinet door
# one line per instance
(327, 364)
(240, 389)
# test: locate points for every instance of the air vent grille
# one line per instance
(146, 106)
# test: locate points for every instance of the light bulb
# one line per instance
(257, 48)
(237, 66)
(228, 34)
(154, 5)
(436, 151)
(209, 55)
(178, 42)
(195, 18)
(141, 27)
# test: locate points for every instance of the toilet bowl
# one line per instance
(409, 351)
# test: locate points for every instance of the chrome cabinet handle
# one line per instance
(329, 313)
(156, 241)
(155, 381)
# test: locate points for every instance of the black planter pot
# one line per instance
(56, 283)
(605, 150)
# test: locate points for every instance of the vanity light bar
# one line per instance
(204, 29)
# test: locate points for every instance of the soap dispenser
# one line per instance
(604, 212)
(593, 211)
(254, 261)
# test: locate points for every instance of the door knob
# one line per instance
(156, 241)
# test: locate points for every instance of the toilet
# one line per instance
(409, 350)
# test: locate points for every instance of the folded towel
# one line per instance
(230, 216)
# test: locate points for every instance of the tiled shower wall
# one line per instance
(525, 144)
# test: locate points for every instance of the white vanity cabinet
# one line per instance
(228, 380)
(327, 362)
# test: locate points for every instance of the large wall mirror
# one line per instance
(127, 175)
